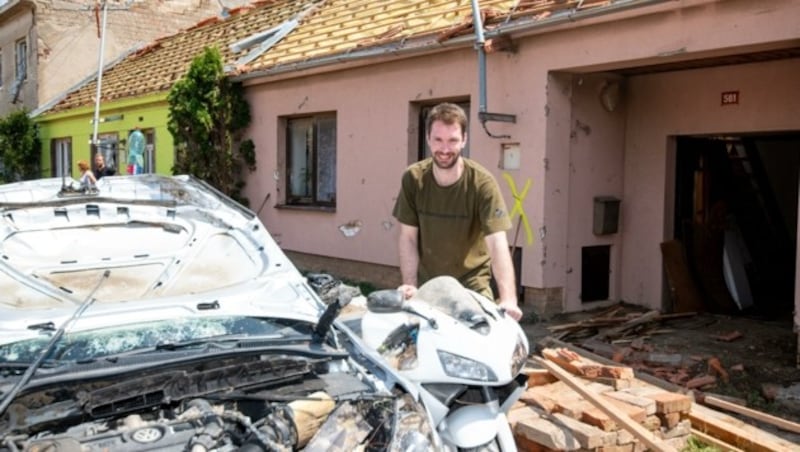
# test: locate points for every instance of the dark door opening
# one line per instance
(595, 272)
(736, 215)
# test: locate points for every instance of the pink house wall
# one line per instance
(688, 103)
(571, 148)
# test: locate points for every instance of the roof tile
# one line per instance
(328, 27)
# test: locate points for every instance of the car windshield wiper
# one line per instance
(9, 397)
(223, 342)
(17, 367)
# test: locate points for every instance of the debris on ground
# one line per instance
(577, 401)
(696, 351)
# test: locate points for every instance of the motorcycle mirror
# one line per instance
(385, 301)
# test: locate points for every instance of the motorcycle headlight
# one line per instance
(460, 367)
(519, 357)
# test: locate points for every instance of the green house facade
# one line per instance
(67, 136)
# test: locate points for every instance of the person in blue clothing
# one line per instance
(136, 143)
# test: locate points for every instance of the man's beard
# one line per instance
(448, 165)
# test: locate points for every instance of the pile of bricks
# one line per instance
(596, 407)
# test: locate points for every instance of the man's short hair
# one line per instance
(449, 114)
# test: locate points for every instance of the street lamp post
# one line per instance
(99, 76)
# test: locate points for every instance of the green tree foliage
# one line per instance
(20, 147)
(207, 116)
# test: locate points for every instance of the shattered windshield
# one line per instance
(92, 344)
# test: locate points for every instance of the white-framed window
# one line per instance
(150, 151)
(21, 67)
(311, 160)
(61, 157)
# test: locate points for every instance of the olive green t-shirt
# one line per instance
(452, 222)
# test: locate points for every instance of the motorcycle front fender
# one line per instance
(470, 426)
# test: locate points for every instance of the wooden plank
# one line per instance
(584, 367)
(685, 293)
(645, 403)
(521, 413)
(763, 417)
(736, 432)
(612, 333)
(309, 414)
(538, 377)
(636, 413)
(647, 437)
(722, 426)
(551, 342)
(716, 442)
(526, 445)
(670, 402)
(546, 433)
(588, 436)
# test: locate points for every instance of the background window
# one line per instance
(21, 73)
(60, 157)
(311, 160)
(108, 145)
(150, 150)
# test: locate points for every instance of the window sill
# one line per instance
(328, 209)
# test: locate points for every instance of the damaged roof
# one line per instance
(284, 35)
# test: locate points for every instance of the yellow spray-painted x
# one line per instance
(518, 198)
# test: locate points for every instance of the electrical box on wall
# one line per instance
(606, 215)
(511, 158)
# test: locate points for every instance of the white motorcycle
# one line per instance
(461, 351)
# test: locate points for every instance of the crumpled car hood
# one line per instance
(165, 242)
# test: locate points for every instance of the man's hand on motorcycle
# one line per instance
(407, 290)
(511, 308)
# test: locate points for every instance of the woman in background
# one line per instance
(87, 177)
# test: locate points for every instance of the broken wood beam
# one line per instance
(552, 342)
(584, 367)
(758, 415)
(725, 428)
(736, 432)
(309, 414)
(700, 381)
(538, 377)
(628, 325)
(647, 437)
(715, 442)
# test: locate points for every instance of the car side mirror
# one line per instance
(385, 301)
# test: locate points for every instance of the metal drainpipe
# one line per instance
(483, 115)
(479, 43)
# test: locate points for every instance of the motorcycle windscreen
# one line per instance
(447, 295)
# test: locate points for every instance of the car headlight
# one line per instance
(460, 367)
(519, 357)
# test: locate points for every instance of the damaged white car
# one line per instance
(156, 314)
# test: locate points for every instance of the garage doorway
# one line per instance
(736, 216)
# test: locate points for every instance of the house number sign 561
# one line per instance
(730, 98)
